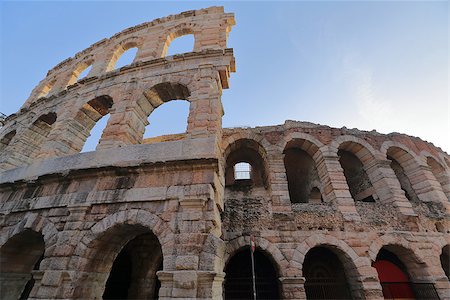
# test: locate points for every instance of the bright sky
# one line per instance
(368, 65)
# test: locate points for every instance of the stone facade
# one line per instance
(174, 206)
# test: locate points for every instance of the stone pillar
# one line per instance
(335, 185)
(428, 188)
(198, 217)
(293, 287)
(206, 111)
(190, 285)
(387, 186)
(127, 120)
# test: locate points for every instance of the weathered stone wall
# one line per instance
(65, 216)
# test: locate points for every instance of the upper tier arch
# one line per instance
(151, 38)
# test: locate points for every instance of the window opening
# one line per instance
(84, 73)
(126, 58)
(242, 171)
(95, 134)
(169, 118)
(357, 179)
(181, 45)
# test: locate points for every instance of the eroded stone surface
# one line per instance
(173, 205)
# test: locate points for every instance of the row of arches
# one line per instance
(308, 164)
(125, 54)
(83, 130)
(125, 261)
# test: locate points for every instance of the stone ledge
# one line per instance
(132, 155)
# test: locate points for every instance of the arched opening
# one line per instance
(133, 273)
(171, 118)
(172, 115)
(439, 173)
(445, 260)
(394, 266)
(179, 41)
(405, 184)
(302, 176)
(357, 179)
(35, 135)
(80, 72)
(47, 88)
(325, 276)
(124, 55)
(6, 139)
(95, 134)
(123, 262)
(92, 119)
(238, 276)
(245, 165)
(19, 256)
(182, 44)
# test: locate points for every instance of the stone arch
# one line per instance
(308, 143)
(358, 159)
(121, 48)
(82, 65)
(354, 265)
(280, 262)
(24, 244)
(440, 173)
(47, 87)
(178, 31)
(407, 252)
(32, 221)
(86, 118)
(6, 139)
(99, 247)
(406, 167)
(301, 158)
(156, 95)
(359, 147)
(28, 144)
(249, 151)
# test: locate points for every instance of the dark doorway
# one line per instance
(325, 275)
(19, 256)
(238, 278)
(133, 273)
(120, 277)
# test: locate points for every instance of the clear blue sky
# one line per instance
(369, 65)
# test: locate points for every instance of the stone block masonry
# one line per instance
(170, 218)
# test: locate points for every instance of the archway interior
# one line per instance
(302, 176)
(133, 273)
(358, 181)
(393, 276)
(445, 260)
(18, 258)
(238, 278)
(325, 276)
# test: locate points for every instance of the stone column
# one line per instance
(206, 111)
(293, 287)
(335, 185)
(198, 217)
(387, 186)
